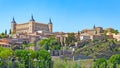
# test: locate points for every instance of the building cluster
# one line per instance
(29, 32)
(92, 34)
(32, 31)
(98, 33)
(31, 27)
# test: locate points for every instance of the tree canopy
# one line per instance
(111, 30)
(49, 44)
(5, 53)
(71, 38)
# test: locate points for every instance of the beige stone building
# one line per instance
(92, 34)
(61, 37)
(31, 27)
(94, 31)
(116, 36)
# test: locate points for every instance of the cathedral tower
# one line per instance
(50, 25)
(31, 25)
(13, 26)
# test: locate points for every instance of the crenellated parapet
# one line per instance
(31, 26)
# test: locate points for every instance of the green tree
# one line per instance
(5, 53)
(27, 45)
(115, 31)
(3, 35)
(25, 56)
(43, 57)
(105, 32)
(111, 30)
(101, 62)
(49, 44)
(71, 38)
(115, 59)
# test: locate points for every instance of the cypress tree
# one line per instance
(10, 31)
(5, 32)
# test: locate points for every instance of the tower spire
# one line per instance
(50, 22)
(32, 19)
(94, 26)
(13, 21)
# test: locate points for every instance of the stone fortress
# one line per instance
(92, 34)
(94, 31)
(31, 27)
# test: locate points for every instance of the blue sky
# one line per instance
(66, 15)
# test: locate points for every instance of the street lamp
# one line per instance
(73, 53)
(36, 61)
(29, 59)
(8, 61)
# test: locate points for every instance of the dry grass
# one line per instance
(87, 63)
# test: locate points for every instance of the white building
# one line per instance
(117, 36)
(84, 37)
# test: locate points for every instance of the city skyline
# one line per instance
(66, 15)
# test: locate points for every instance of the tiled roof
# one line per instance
(3, 43)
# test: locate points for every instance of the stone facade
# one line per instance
(116, 36)
(94, 31)
(61, 37)
(92, 34)
(31, 27)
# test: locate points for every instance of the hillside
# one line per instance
(99, 48)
